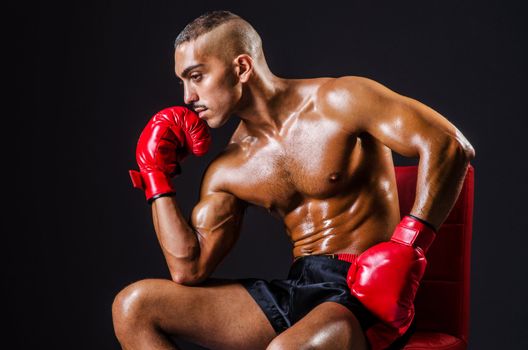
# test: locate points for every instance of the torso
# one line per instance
(334, 188)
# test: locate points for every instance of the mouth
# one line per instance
(200, 111)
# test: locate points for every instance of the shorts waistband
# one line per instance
(340, 256)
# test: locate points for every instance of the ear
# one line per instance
(244, 67)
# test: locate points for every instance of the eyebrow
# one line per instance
(190, 68)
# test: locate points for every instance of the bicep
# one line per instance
(216, 219)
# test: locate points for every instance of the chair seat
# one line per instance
(434, 340)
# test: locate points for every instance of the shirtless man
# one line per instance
(316, 153)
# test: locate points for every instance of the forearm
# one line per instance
(178, 240)
(441, 173)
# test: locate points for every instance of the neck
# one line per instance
(261, 97)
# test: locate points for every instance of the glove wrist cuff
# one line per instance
(155, 183)
(414, 233)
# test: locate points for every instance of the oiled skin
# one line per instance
(317, 154)
(327, 172)
(333, 187)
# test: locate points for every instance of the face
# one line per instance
(210, 84)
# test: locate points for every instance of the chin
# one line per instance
(217, 121)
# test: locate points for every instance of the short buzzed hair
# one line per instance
(242, 37)
(203, 24)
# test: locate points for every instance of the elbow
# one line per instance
(184, 265)
(188, 274)
(457, 152)
(470, 152)
(449, 151)
(464, 150)
(185, 279)
(452, 146)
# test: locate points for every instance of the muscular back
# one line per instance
(333, 186)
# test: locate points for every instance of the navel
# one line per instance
(334, 177)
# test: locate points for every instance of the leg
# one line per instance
(328, 326)
(217, 314)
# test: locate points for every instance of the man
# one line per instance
(315, 152)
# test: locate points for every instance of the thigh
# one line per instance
(328, 326)
(218, 314)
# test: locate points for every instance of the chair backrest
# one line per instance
(442, 300)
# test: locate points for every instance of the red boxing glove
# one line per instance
(386, 276)
(169, 137)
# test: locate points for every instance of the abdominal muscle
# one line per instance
(341, 225)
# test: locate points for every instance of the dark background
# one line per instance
(88, 75)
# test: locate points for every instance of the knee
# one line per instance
(283, 342)
(339, 334)
(133, 304)
(279, 344)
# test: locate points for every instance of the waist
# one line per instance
(349, 257)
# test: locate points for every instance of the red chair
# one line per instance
(442, 300)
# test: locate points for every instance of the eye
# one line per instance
(196, 77)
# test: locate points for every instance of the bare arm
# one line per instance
(411, 129)
(194, 249)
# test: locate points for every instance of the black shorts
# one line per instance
(311, 281)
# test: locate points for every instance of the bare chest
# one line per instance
(311, 160)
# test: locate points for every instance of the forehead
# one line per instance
(192, 53)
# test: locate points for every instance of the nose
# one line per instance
(189, 95)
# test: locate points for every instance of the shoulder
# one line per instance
(214, 177)
(349, 100)
(218, 172)
(347, 91)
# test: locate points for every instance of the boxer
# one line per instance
(317, 154)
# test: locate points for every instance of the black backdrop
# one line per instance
(87, 76)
